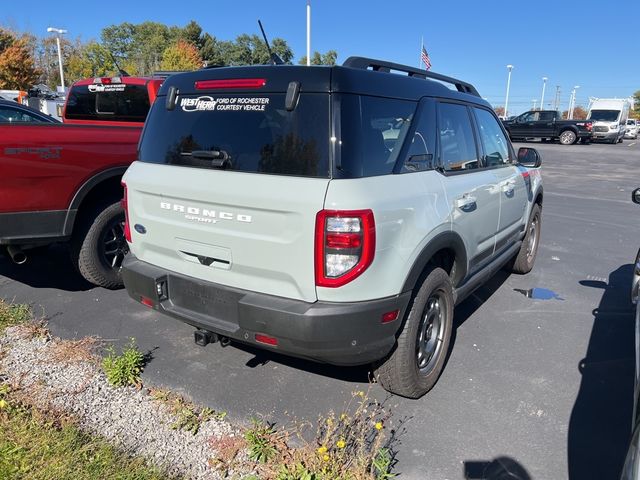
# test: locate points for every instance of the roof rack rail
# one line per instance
(364, 63)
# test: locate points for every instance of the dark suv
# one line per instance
(332, 213)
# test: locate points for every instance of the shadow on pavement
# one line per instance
(363, 373)
(600, 424)
(46, 267)
(501, 468)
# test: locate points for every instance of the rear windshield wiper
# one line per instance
(219, 158)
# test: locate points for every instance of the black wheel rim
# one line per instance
(431, 332)
(113, 245)
(532, 242)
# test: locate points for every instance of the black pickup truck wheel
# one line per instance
(568, 137)
(98, 246)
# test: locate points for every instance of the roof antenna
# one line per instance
(121, 72)
(275, 59)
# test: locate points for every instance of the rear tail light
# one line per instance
(589, 126)
(345, 243)
(125, 206)
(231, 83)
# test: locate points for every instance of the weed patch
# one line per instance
(125, 368)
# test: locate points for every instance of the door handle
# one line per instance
(466, 202)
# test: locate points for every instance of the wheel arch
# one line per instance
(103, 185)
(446, 250)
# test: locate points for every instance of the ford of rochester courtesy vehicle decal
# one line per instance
(242, 104)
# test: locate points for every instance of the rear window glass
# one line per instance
(372, 131)
(121, 103)
(245, 133)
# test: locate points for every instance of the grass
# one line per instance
(125, 368)
(32, 447)
(188, 416)
(13, 314)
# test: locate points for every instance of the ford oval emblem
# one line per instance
(140, 228)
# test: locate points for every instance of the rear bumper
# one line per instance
(336, 333)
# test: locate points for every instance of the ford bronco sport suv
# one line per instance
(332, 213)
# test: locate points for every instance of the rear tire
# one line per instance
(568, 137)
(98, 246)
(413, 368)
(523, 262)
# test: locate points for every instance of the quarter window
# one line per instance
(494, 141)
(11, 115)
(457, 143)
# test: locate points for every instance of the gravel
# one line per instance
(129, 417)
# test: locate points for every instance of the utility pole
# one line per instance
(556, 101)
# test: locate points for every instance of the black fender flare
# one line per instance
(84, 190)
(449, 239)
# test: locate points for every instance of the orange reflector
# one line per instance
(390, 316)
(266, 339)
(147, 301)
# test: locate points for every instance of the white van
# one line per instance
(609, 116)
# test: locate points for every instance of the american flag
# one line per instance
(425, 58)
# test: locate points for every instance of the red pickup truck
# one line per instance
(61, 182)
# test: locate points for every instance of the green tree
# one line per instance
(182, 55)
(89, 60)
(251, 50)
(318, 58)
(636, 104)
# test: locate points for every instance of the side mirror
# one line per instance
(530, 158)
(635, 196)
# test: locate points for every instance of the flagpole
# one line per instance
(420, 51)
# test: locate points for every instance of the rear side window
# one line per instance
(457, 143)
(128, 103)
(372, 131)
(252, 133)
(494, 141)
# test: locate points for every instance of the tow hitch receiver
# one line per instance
(204, 337)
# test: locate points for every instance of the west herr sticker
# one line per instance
(224, 104)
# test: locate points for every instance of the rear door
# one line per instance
(228, 188)
(523, 126)
(472, 191)
(512, 189)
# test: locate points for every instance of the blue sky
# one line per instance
(593, 47)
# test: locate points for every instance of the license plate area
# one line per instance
(204, 299)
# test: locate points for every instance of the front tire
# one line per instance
(413, 368)
(523, 262)
(568, 137)
(98, 247)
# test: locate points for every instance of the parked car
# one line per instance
(13, 112)
(609, 117)
(632, 129)
(61, 183)
(548, 124)
(631, 469)
(319, 212)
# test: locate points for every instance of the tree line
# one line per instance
(138, 49)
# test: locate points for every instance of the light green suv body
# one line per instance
(306, 210)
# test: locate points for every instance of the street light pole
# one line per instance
(58, 32)
(308, 33)
(534, 102)
(506, 100)
(544, 84)
(573, 101)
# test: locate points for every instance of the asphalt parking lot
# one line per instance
(540, 377)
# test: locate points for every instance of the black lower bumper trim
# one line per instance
(33, 227)
(336, 333)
